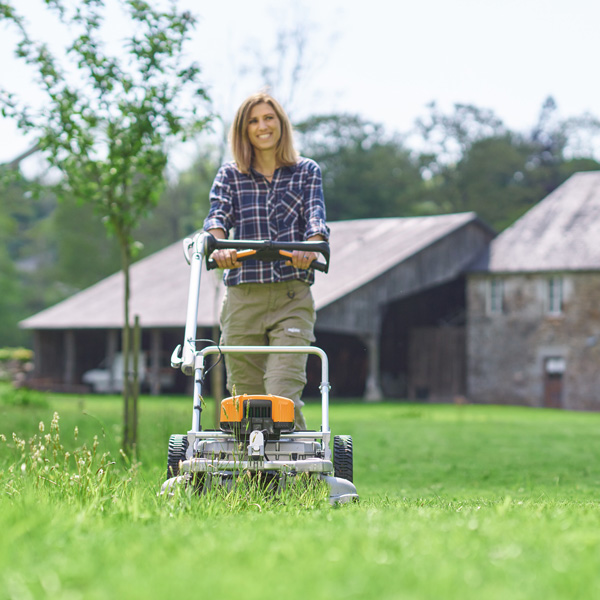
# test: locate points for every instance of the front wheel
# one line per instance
(342, 457)
(178, 445)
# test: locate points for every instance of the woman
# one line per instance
(267, 193)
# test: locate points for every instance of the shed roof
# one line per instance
(560, 233)
(361, 250)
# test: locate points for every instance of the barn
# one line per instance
(391, 312)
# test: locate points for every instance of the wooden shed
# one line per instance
(390, 313)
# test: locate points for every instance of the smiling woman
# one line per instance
(267, 193)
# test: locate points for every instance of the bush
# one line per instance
(22, 397)
(14, 363)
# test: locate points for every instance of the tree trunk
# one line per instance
(136, 383)
(126, 350)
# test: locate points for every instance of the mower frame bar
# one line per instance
(199, 372)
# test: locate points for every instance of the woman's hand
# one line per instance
(301, 259)
(226, 259)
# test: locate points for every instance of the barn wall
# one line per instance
(423, 352)
(509, 353)
(360, 312)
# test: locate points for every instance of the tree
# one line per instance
(26, 253)
(474, 163)
(365, 173)
(107, 119)
(492, 180)
(12, 293)
(83, 253)
(447, 137)
(183, 205)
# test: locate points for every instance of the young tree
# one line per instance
(183, 205)
(108, 118)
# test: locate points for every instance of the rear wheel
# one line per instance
(178, 445)
(342, 457)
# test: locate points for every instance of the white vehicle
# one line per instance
(109, 379)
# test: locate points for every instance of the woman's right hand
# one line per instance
(226, 259)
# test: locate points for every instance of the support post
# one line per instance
(373, 391)
(155, 347)
(112, 344)
(69, 365)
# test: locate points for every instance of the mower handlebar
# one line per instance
(265, 250)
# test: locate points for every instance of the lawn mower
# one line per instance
(257, 433)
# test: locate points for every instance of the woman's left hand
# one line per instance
(301, 259)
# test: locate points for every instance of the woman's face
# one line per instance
(264, 127)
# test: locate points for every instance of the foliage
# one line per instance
(17, 354)
(106, 128)
(23, 397)
(448, 137)
(82, 476)
(24, 254)
(183, 205)
(365, 173)
(471, 162)
(84, 253)
(10, 298)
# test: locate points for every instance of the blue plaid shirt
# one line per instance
(288, 209)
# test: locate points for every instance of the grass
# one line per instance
(456, 502)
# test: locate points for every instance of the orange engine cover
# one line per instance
(246, 413)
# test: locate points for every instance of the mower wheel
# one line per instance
(178, 445)
(342, 456)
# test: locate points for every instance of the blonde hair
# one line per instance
(242, 149)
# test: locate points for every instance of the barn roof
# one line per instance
(559, 233)
(361, 250)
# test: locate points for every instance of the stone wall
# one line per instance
(508, 353)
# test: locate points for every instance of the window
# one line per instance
(495, 296)
(555, 295)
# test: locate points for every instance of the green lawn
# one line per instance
(456, 502)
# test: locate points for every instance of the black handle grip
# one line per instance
(265, 250)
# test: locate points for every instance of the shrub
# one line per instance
(22, 397)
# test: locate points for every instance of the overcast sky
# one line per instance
(386, 59)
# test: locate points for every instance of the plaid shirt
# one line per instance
(289, 209)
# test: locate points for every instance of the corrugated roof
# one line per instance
(364, 249)
(159, 289)
(560, 233)
(361, 250)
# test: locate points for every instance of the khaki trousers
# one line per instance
(268, 314)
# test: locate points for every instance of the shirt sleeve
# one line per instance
(314, 203)
(221, 212)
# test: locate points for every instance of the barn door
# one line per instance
(436, 363)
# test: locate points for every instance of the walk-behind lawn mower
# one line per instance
(257, 435)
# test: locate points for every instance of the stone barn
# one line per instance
(533, 327)
(390, 312)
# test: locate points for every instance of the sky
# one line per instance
(384, 60)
